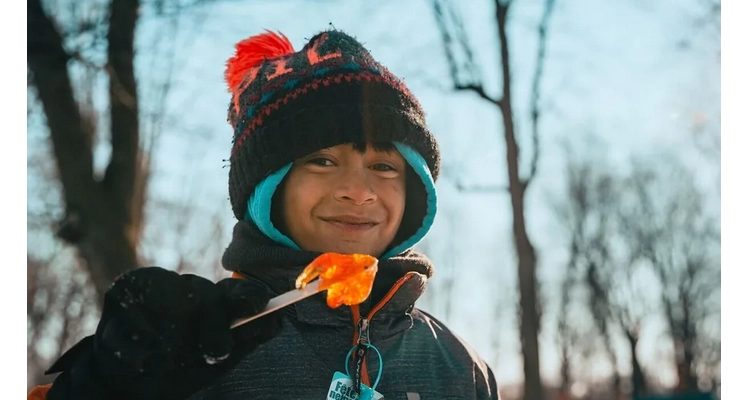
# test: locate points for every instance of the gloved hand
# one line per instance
(163, 335)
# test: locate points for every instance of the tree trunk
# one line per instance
(103, 216)
(638, 380)
(529, 324)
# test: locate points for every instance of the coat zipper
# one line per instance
(362, 324)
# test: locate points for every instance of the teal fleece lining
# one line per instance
(259, 207)
(420, 167)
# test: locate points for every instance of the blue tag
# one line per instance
(342, 388)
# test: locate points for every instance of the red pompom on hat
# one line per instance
(251, 52)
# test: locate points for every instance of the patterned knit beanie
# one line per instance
(288, 104)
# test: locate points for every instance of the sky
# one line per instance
(618, 75)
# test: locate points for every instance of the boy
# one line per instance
(331, 154)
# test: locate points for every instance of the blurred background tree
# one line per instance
(94, 126)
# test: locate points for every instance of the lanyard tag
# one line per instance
(342, 388)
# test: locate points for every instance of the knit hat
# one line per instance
(288, 104)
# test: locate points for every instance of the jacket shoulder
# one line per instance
(445, 338)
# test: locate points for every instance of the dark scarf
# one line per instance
(255, 255)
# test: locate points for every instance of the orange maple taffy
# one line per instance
(347, 277)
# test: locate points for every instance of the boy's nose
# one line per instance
(354, 187)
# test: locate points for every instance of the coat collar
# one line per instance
(400, 281)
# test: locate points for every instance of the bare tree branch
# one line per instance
(671, 231)
(447, 40)
(536, 87)
(120, 175)
(461, 187)
(478, 90)
(446, 18)
(71, 140)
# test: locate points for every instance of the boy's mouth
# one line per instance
(351, 222)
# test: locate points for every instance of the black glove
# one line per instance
(164, 336)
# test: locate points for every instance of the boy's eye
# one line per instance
(322, 161)
(381, 167)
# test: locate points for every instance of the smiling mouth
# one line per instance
(351, 223)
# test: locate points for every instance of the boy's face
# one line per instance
(341, 200)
